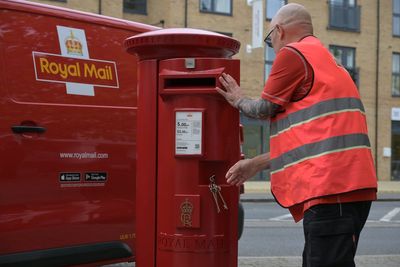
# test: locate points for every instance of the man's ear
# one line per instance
(281, 31)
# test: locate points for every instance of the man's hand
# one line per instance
(244, 169)
(232, 92)
(239, 173)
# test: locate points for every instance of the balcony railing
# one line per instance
(345, 18)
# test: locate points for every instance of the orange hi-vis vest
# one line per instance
(319, 144)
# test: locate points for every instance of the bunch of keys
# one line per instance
(216, 190)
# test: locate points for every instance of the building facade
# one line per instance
(363, 35)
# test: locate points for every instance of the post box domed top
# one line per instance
(181, 42)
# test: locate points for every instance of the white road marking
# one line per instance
(281, 218)
(389, 216)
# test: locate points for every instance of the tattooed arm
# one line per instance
(259, 109)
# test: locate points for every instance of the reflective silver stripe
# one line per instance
(316, 111)
(317, 149)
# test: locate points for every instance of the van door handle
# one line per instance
(27, 129)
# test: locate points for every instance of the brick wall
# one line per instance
(172, 12)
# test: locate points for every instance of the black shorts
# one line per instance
(331, 233)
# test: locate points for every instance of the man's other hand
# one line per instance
(240, 172)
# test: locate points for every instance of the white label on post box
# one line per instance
(188, 133)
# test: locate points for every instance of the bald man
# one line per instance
(320, 160)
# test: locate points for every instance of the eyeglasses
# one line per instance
(267, 39)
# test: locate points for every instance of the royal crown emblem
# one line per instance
(186, 213)
(73, 45)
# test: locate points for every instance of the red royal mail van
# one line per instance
(67, 137)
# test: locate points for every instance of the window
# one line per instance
(256, 141)
(269, 59)
(272, 6)
(135, 6)
(216, 6)
(396, 74)
(346, 56)
(395, 158)
(344, 15)
(396, 18)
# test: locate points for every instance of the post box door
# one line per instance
(198, 139)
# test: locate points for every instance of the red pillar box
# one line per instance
(187, 138)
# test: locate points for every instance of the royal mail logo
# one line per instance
(74, 67)
(56, 68)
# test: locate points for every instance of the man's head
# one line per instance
(291, 23)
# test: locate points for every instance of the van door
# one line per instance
(67, 134)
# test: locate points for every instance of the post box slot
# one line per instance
(198, 82)
(178, 81)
